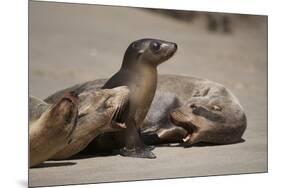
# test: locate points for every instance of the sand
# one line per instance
(70, 44)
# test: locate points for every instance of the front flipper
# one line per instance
(164, 135)
(138, 152)
(134, 145)
(172, 134)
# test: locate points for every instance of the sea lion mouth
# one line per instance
(116, 121)
(179, 119)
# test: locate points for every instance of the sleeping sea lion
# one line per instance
(194, 110)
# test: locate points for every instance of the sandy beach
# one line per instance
(71, 43)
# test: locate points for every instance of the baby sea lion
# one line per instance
(98, 112)
(50, 126)
(139, 73)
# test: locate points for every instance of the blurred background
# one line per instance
(74, 43)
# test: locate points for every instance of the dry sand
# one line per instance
(71, 43)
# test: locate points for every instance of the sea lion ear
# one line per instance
(139, 53)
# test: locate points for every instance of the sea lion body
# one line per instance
(142, 84)
(139, 73)
(50, 127)
(200, 109)
(98, 109)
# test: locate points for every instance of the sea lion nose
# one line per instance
(175, 46)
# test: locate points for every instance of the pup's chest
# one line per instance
(142, 97)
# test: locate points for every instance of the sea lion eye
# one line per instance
(155, 46)
(216, 108)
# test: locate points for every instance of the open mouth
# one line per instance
(178, 119)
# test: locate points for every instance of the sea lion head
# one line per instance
(149, 51)
(101, 108)
(217, 119)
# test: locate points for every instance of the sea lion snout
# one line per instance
(182, 120)
(172, 47)
(175, 46)
(211, 120)
(168, 50)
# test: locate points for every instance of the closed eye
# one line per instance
(200, 111)
(216, 108)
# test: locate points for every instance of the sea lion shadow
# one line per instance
(54, 164)
(200, 144)
(93, 155)
(205, 144)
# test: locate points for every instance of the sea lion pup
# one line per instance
(50, 126)
(139, 72)
(98, 111)
(188, 111)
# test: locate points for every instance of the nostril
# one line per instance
(176, 46)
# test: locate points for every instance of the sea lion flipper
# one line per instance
(138, 152)
(134, 146)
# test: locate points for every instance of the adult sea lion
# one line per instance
(98, 111)
(194, 110)
(50, 126)
(139, 73)
(188, 111)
